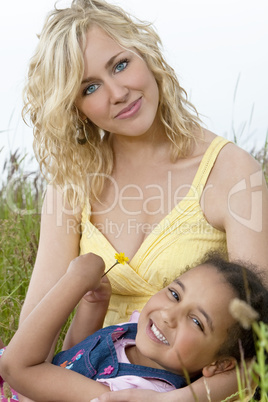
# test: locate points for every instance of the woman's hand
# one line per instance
(138, 395)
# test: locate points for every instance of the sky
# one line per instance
(217, 48)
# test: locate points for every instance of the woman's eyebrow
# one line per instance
(107, 65)
(111, 60)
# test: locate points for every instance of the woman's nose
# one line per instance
(118, 92)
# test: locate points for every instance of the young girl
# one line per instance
(185, 329)
(130, 166)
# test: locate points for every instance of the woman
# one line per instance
(130, 167)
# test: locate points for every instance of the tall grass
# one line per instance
(20, 206)
(20, 201)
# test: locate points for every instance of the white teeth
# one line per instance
(158, 334)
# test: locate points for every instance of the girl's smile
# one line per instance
(155, 334)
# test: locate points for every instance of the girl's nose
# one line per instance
(170, 317)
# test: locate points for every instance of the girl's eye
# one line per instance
(198, 323)
(92, 88)
(174, 294)
(121, 66)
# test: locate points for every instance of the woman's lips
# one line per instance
(130, 110)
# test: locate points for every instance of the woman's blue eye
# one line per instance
(121, 66)
(92, 88)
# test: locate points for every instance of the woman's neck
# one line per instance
(145, 148)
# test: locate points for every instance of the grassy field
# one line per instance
(20, 204)
(20, 200)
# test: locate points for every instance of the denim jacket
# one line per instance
(96, 358)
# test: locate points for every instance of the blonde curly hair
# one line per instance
(69, 150)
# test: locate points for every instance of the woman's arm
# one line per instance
(58, 245)
(197, 392)
(236, 201)
(23, 364)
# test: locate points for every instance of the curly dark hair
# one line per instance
(247, 284)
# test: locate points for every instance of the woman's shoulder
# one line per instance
(231, 157)
(56, 202)
(235, 162)
(235, 175)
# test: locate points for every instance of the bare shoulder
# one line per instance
(234, 164)
(55, 202)
(59, 232)
(235, 176)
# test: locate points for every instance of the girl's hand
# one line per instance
(93, 305)
(101, 294)
(90, 267)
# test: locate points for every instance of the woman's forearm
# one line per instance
(215, 388)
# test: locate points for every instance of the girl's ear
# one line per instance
(219, 366)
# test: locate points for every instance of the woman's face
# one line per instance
(118, 92)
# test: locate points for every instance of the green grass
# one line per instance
(20, 200)
(20, 205)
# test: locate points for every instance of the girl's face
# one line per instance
(185, 324)
(118, 92)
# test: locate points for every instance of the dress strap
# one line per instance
(207, 164)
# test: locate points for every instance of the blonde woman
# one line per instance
(130, 168)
